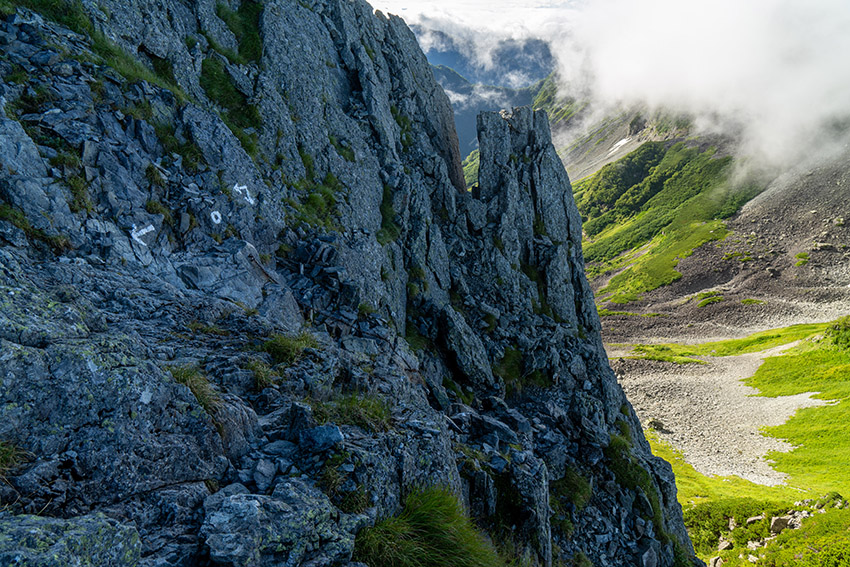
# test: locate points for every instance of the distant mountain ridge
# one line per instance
(468, 100)
(513, 63)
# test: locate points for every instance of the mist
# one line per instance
(774, 71)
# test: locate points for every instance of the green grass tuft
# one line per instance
(708, 298)
(838, 332)
(154, 207)
(343, 150)
(245, 25)
(80, 198)
(318, 206)
(153, 175)
(15, 216)
(198, 327)
(199, 384)
(405, 126)
(66, 159)
(414, 338)
(288, 350)
(572, 488)
(239, 114)
(10, 457)
(431, 531)
(390, 230)
(367, 412)
(509, 368)
(264, 376)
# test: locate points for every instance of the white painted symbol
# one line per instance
(137, 234)
(216, 217)
(240, 188)
(146, 397)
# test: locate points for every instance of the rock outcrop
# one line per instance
(248, 304)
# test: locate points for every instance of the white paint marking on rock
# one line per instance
(146, 397)
(244, 189)
(138, 234)
(216, 217)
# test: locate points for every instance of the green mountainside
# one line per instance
(646, 211)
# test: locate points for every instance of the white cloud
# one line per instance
(777, 69)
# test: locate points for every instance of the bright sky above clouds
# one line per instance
(511, 17)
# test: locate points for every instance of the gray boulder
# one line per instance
(295, 525)
(37, 541)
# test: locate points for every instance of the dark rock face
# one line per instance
(154, 244)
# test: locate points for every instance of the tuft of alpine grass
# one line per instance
(431, 531)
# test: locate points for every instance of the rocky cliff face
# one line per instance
(247, 304)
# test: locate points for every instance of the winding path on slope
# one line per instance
(710, 415)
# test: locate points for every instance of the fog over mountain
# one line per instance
(772, 69)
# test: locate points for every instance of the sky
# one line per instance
(778, 69)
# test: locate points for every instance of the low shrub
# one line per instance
(838, 332)
(706, 522)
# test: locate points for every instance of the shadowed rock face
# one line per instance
(153, 241)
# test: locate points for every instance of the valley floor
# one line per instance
(709, 414)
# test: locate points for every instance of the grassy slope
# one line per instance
(819, 465)
(470, 168)
(672, 198)
(756, 342)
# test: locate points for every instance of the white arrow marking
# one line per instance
(240, 188)
(137, 234)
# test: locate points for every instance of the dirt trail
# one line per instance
(710, 415)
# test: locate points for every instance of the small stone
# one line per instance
(320, 439)
(649, 558)
(498, 463)
(777, 524)
(264, 474)
(280, 448)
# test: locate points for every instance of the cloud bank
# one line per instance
(775, 70)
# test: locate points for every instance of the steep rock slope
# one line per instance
(247, 304)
